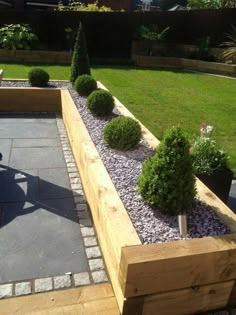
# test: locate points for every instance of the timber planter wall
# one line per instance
(35, 56)
(182, 63)
(182, 277)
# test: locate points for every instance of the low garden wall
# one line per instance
(30, 99)
(182, 63)
(181, 277)
(35, 56)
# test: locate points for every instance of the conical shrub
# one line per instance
(167, 179)
(80, 61)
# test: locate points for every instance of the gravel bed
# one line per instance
(124, 169)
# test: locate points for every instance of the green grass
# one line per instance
(16, 71)
(161, 99)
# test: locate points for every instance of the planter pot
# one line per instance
(219, 182)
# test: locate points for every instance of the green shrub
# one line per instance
(207, 157)
(100, 103)
(167, 179)
(122, 133)
(152, 32)
(75, 5)
(38, 77)
(85, 85)
(80, 61)
(17, 36)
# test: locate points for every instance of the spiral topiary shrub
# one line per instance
(100, 103)
(38, 77)
(167, 179)
(85, 84)
(122, 133)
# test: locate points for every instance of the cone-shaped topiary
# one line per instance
(38, 77)
(100, 103)
(122, 133)
(167, 179)
(80, 60)
(85, 84)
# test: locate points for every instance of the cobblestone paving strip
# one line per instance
(97, 273)
(92, 249)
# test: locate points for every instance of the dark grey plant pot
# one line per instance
(219, 182)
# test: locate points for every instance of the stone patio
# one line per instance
(47, 240)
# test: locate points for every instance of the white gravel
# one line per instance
(124, 169)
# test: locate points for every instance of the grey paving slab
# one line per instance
(38, 241)
(48, 183)
(35, 143)
(25, 158)
(33, 130)
(5, 148)
(18, 186)
(232, 197)
(40, 235)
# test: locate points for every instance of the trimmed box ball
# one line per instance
(100, 103)
(122, 133)
(38, 77)
(85, 85)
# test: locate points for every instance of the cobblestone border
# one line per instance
(93, 252)
(97, 272)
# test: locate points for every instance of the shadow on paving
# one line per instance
(40, 234)
(35, 191)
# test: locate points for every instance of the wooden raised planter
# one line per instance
(182, 63)
(181, 277)
(35, 56)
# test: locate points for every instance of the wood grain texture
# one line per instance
(84, 299)
(232, 298)
(112, 222)
(158, 268)
(188, 301)
(30, 99)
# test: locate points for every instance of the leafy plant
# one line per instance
(100, 103)
(211, 4)
(75, 5)
(167, 179)
(38, 77)
(230, 50)
(206, 156)
(85, 84)
(80, 61)
(17, 36)
(205, 4)
(152, 32)
(122, 133)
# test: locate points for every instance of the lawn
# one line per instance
(161, 99)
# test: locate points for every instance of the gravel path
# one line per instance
(124, 169)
